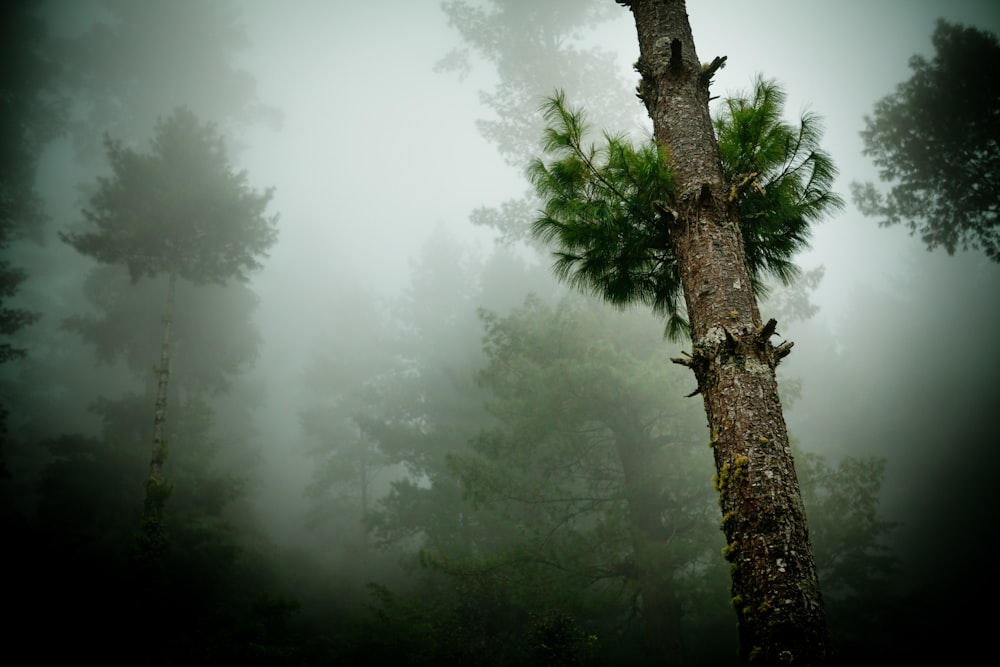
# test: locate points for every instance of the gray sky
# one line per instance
(377, 150)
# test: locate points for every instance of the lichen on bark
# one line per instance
(774, 583)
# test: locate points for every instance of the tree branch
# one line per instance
(709, 70)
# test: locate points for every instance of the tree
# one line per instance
(179, 211)
(137, 58)
(342, 383)
(535, 47)
(28, 120)
(642, 245)
(595, 477)
(854, 562)
(780, 183)
(936, 141)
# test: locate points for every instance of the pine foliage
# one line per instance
(780, 178)
(600, 208)
(608, 206)
(180, 208)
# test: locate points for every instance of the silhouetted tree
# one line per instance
(29, 118)
(180, 211)
(936, 142)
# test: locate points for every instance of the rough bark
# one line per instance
(775, 590)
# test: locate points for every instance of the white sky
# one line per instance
(377, 149)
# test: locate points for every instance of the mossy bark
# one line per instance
(153, 540)
(775, 588)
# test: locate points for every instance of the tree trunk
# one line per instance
(153, 535)
(775, 590)
(163, 375)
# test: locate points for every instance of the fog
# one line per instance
(345, 459)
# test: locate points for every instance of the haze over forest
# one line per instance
(381, 440)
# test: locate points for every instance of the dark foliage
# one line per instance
(936, 142)
(609, 208)
(29, 118)
(180, 208)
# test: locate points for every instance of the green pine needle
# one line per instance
(606, 204)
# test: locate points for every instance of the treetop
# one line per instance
(179, 208)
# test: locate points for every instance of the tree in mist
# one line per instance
(137, 58)
(29, 119)
(212, 343)
(854, 562)
(935, 142)
(532, 44)
(183, 212)
(535, 47)
(345, 376)
(540, 526)
(595, 477)
(428, 404)
(632, 245)
(215, 572)
(398, 381)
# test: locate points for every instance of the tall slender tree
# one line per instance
(183, 212)
(636, 234)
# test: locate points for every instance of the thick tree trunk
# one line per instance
(775, 590)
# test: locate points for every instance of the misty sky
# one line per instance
(376, 150)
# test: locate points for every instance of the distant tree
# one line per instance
(343, 381)
(855, 563)
(427, 404)
(30, 116)
(535, 47)
(213, 339)
(179, 211)
(936, 142)
(595, 475)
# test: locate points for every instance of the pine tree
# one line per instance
(183, 212)
(686, 217)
